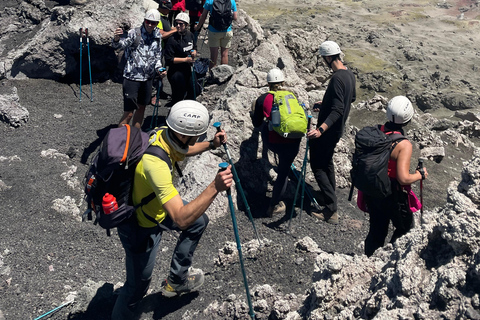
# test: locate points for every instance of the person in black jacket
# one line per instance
(180, 52)
(333, 113)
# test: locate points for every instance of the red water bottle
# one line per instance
(109, 203)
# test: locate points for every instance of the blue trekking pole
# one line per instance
(237, 182)
(224, 166)
(193, 79)
(89, 65)
(309, 192)
(157, 102)
(81, 47)
(301, 181)
(54, 310)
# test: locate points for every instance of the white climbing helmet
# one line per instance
(275, 76)
(188, 117)
(152, 15)
(329, 48)
(182, 16)
(399, 110)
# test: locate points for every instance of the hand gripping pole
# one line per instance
(237, 182)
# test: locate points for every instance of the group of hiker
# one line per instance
(166, 41)
(158, 44)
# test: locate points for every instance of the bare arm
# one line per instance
(199, 147)
(167, 34)
(403, 153)
(185, 215)
(201, 20)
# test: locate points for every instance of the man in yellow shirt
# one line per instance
(187, 121)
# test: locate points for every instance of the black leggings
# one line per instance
(394, 207)
(181, 83)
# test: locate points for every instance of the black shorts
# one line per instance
(136, 93)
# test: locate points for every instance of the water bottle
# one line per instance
(275, 115)
(109, 203)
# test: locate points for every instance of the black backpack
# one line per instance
(221, 16)
(370, 161)
(112, 171)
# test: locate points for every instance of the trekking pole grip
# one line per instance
(420, 167)
(218, 126)
(223, 166)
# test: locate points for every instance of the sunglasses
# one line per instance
(179, 23)
(151, 22)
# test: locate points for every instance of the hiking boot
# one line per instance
(277, 209)
(193, 282)
(326, 215)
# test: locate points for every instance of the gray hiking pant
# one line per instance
(141, 246)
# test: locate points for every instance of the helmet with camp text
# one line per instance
(329, 48)
(275, 75)
(188, 117)
(152, 15)
(399, 110)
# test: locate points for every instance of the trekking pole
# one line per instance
(54, 310)
(81, 47)
(301, 181)
(422, 172)
(157, 101)
(224, 166)
(193, 78)
(89, 65)
(237, 183)
(309, 192)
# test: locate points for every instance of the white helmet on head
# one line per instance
(188, 117)
(152, 15)
(275, 75)
(329, 48)
(399, 110)
(182, 16)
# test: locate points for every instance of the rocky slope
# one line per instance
(48, 256)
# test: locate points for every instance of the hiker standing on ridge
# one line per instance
(333, 113)
(220, 34)
(381, 211)
(140, 237)
(180, 53)
(166, 31)
(143, 54)
(285, 148)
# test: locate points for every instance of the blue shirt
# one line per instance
(209, 7)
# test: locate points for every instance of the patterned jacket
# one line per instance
(143, 54)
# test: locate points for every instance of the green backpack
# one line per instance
(293, 118)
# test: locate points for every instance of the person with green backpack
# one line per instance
(281, 133)
(333, 113)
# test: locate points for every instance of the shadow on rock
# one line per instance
(100, 307)
(162, 306)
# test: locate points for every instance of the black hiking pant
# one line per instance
(321, 162)
(141, 246)
(395, 207)
(181, 82)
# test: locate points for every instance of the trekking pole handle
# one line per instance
(420, 168)
(218, 125)
(309, 122)
(86, 33)
(81, 33)
(223, 166)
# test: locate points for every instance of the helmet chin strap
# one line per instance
(328, 63)
(176, 143)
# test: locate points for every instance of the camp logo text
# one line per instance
(190, 115)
